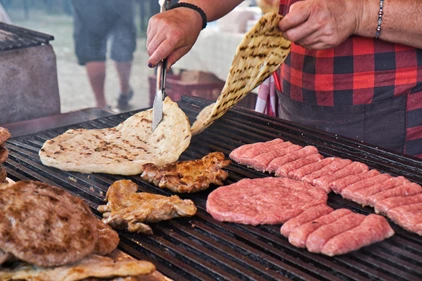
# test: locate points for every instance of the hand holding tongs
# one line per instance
(157, 108)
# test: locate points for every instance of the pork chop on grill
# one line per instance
(188, 176)
(45, 225)
(131, 210)
(4, 135)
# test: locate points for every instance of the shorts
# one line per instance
(98, 21)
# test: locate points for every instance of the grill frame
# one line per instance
(20, 37)
(200, 248)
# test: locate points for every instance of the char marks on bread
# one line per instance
(262, 50)
(123, 149)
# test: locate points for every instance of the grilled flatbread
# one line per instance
(45, 225)
(261, 52)
(91, 266)
(123, 149)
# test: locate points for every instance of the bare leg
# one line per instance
(123, 70)
(96, 73)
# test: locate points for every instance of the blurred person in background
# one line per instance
(95, 22)
(354, 69)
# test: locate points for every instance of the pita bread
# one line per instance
(91, 266)
(261, 52)
(124, 149)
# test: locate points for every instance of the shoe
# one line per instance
(123, 100)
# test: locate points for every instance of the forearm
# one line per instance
(399, 21)
(215, 9)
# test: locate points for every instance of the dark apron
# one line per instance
(382, 124)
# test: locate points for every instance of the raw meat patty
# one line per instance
(263, 201)
(374, 228)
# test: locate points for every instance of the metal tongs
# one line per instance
(157, 108)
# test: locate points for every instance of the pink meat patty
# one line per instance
(374, 228)
(307, 216)
(263, 201)
(299, 235)
(261, 161)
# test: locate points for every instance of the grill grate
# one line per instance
(14, 37)
(200, 248)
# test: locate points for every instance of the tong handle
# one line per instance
(161, 75)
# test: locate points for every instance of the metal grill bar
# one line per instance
(200, 248)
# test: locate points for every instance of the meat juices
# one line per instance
(277, 162)
(317, 239)
(384, 205)
(299, 235)
(263, 200)
(284, 170)
(307, 216)
(373, 228)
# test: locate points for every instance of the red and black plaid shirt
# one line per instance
(358, 71)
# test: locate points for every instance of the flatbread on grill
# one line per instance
(45, 225)
(91, 266)
(123, 149)
(261, 52)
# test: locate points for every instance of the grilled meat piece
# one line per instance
(131, 210)
(188, 176)
(4, 154)
(4, 135)
(45, 225)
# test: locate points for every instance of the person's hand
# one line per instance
(321, 24)
(171, 35)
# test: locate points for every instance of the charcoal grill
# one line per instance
(200, 248)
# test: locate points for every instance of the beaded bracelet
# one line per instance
(193, 7)
(380, 13)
